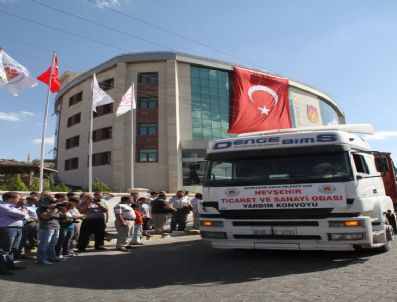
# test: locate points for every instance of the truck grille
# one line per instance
(275, 223)
(285, 237)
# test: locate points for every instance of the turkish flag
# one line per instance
(260, 102)
(45, 76)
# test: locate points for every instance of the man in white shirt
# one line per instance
(183, 207)
(124, 223)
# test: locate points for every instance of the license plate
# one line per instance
(262, 232)
(285, 231)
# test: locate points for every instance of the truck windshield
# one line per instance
(303, 168)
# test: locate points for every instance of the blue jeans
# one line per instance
(48, 239)
(65, 235)
(9, 241)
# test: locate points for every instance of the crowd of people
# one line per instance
(61, 225)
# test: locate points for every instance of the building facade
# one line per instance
(182, 103)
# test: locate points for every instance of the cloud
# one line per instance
(381, 135)
(10, 117)
(47, 140)
(27, 113)
(107, 3)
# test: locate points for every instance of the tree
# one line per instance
(16, 184)
(61, 187)
(35, 186)
(100, 186)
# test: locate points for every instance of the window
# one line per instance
(107, 84)
(74, 119)
(147, 129)
(145, 103)
(361, 165)
(104, 109)
(73, 142)
(78, 97)
(72, 164)
(100, 159)
(147, 155)
(210, 103)
(148, 78)
(102, 134)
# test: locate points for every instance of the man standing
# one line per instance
(11, 223)
(124, 223)
(49, 214)
(183, 207)
(160, 209)
(30, 231)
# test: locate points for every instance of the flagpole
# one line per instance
(90, 145)
(132, 136)
(45, 126)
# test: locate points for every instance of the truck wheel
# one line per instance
(393, 221)
(389, 233)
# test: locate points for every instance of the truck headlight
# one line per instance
(344, 223)
(211, 223)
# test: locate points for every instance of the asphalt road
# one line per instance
(186, 269)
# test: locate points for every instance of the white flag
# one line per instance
(125, 103)
(17, 78)
(99, 97)
(3, 75)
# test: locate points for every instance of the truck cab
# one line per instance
(303, 189)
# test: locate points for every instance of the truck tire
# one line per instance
(389, 233)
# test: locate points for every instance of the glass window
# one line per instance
(361, 165)
(78, 97)
(147, 129)
(107, 84)
(148, 78)
(100, 159)
(147, 103)
(146, 155)
(72, 164)
(74, 119)
(193, 173)
(304, 168)
(103, 110)
(210, 103)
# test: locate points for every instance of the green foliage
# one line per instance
(100, 186)
(35, 186)
(61, 187)
(3, 187)
(16, 184)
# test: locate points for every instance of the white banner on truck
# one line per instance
(299, 196)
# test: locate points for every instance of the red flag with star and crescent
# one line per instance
(45, 76)
(260, 102)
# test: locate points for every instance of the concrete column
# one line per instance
(173, 133)
(121, 136)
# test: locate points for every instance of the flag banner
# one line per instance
(18, 77)
(99, 97)
(3, 75)
(45, 76)
(260, 102)
(125, 103)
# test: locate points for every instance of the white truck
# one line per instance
(317, 188)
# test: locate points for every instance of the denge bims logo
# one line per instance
(276, 140)
(327, 189)
(232, 192)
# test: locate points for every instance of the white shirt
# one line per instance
(196, 202)
(179, 203)
(145, 209)
(125, 210)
